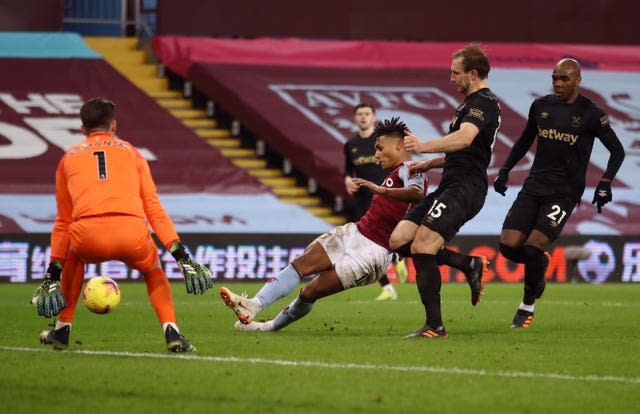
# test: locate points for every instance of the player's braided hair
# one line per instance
(393, 127)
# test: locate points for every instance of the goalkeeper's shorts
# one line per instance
(116, 237)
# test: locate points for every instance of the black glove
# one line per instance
(602, 195)
(197, 278)
(500, 183)
(48, 296)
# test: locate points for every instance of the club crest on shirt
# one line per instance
(575, 121)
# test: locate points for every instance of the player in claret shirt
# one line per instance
(565, 124)
(355, 254)
(360, 161)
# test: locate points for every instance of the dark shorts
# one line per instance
(547, 214)
(445, 211)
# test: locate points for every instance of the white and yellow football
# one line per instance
(101, 294)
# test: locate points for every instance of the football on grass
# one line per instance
(101, 294)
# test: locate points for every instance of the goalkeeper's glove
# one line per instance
(602, 195)
(197, 278)
(48, 296)
(500, 183)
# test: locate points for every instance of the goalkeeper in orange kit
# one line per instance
(105, 198)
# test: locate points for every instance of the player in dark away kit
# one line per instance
(565, 124)
(462, 190)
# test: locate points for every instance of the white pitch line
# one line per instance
(333, 365)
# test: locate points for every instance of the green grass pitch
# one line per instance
(581, 355)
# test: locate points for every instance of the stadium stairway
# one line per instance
(124, 55)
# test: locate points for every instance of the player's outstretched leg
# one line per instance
(280, 286)
(245, 308)
(254, 326)
(291, 313)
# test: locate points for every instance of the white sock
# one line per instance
(388, 287)
(60, 325)
(528, 308)
(173, 324)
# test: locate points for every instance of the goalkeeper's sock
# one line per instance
(159, 292)
(279, 287)
(60, 325)
(172, 324)
(71, 282)
(296, 310)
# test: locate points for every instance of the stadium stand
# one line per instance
(297, 94)
(403, 78)
(200, 187)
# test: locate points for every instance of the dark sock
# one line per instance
(451, 258)
(429, 284)
(515, 254)
(384, 281)
(534, 267)
(404, 250)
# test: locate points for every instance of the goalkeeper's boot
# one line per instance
(59, 338)
(428, 332)
(522, 319)
(543, 284)
(244, 308)
(177, 342)
(474, 278)
(254, 326)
